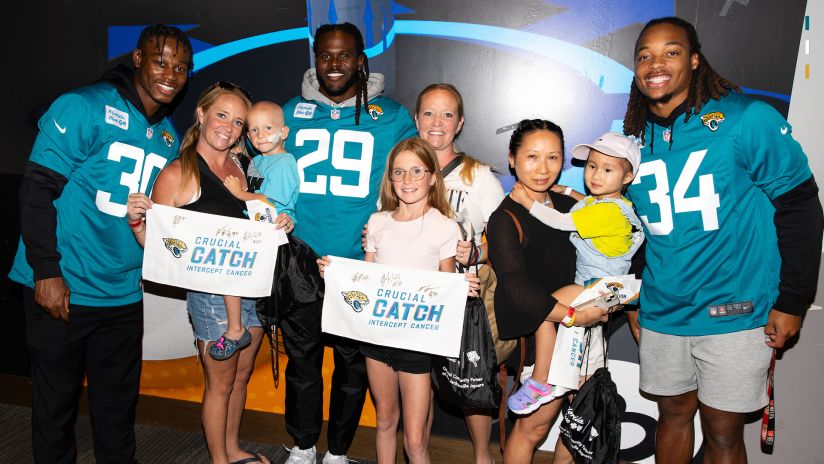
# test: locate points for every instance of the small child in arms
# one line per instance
(266, 132)
(605, 231)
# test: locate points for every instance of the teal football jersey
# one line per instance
(106, 149)
(712, 256)
(340, 166)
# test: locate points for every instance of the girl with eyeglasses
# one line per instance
(413, 229)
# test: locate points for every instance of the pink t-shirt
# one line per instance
(420, 244)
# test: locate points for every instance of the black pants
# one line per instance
(105, 344)
(304, 345)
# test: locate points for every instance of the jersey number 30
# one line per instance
(362, 166)
(135, 181)
(707, 202)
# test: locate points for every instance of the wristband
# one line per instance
(136, 224)
(567, 190)
(569, 319)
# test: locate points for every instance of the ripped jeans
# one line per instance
(207, 313)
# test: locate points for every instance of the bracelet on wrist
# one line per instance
(136, 224)
(567, 190)
(569, 318)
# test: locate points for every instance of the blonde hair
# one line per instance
(188, 146)
(469, 163)
(437, 193)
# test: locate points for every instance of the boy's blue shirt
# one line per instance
(280, 180)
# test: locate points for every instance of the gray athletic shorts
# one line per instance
(728, 370)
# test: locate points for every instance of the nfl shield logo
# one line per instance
(149, 133)
(335, 114)
(667, 135)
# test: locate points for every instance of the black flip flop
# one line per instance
(251, 459)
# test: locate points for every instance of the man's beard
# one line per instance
(660, 100)
(345, 88)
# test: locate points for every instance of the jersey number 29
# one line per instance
(338, 140)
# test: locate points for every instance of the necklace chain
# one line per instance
(547, 202)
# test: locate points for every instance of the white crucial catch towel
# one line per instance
(210, 253)
(570, 343)
(395, 307)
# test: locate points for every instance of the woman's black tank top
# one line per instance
(214, 197)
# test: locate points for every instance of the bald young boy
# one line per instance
(275, 167)
(273, 174)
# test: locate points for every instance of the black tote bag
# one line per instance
(469, 380)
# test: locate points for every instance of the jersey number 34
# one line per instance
(707, 202)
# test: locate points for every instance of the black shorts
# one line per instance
(411, 362)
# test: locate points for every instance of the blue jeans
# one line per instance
(207, 313)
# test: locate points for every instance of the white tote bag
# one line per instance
(570, 343)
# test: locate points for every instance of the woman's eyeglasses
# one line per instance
(416, 173)
(226, 85)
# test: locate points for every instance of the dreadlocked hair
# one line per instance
(362, 75)
(161, 32)
(705, 83)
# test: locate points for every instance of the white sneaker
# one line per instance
(330, 458)
(299, 456)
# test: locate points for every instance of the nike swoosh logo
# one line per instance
(61, 129)
(784, 130)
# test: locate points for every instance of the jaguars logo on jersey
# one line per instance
(712, 120)
(168, 138)
(357, 300)
(375, 111)
(175, 246)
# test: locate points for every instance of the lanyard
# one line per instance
(768, 421)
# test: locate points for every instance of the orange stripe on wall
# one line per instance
(182, 379)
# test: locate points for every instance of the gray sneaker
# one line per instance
(299, 456)
(330, 458)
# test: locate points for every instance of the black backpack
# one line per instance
(591, 425)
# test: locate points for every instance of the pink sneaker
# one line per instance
(530, 397)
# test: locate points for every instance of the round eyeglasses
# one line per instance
(416, 173)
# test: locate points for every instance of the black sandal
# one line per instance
(251, 459)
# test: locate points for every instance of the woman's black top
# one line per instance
(528, 273)
(214, 197)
